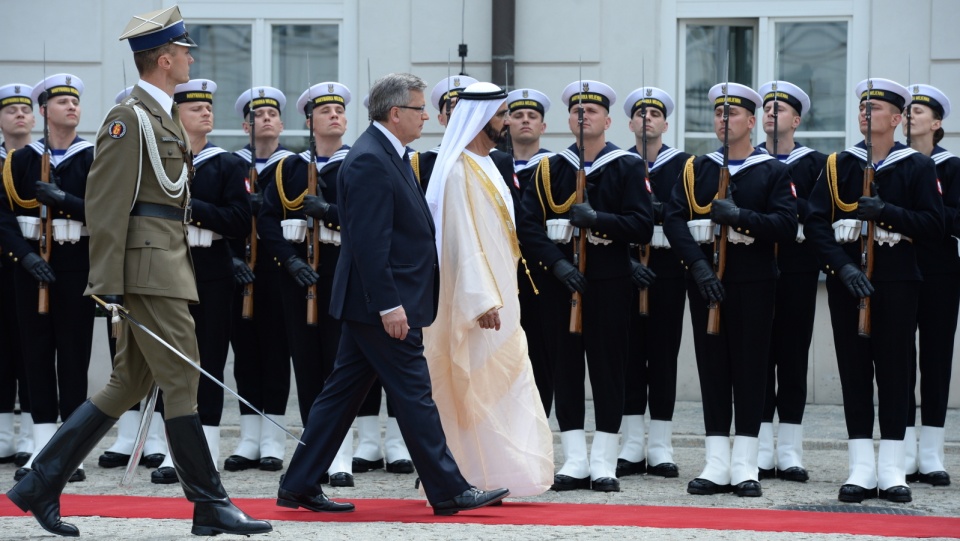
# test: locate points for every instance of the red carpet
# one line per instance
(552, 514)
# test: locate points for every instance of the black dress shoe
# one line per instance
(269, 463)
(400, 466)
(319, 503)
(856, 493)
(625, 467)
(935, 478)
(706, 487)
(796, 473)
(748, 489)
(109, 459)
(667, 469)
(897, 494)
(341, 479)
(152, 460)
(362, 465)
(605, 484)
(324, 479)
(8, 459)
(765, 473)
(913, 477)
(565, 482)
(78, 475)
(164, 476)
(240, 463)
(21, 458)
(20, 473)
(472, 498)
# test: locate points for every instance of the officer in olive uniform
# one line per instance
(57, 342)
(137, 216)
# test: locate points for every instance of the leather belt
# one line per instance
(167, 212)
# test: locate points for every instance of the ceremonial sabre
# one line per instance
(145, 418)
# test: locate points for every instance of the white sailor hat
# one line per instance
(588, 92)
(260, 96)
(122, 95)
(366, 101)
(922, 94)
(448, 88)
(15, 93)
(528, 98)
(884, 90)
(786, 92)
(648, 96)
(322, 93)
(195, 90)
(155, 29)
(734, 94)
(61, 84)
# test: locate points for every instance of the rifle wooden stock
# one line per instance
(580, 257)
(863, 324)
(313, 246)
(251, 253)
(720, 255)
(46, 239)
(644, 301)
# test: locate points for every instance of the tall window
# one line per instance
(289, 57)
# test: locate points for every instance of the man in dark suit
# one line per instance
(385, 291)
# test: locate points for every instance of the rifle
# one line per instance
(313, 228)
(462, 49)
(866, 254)
(580, 245)
(776, 118)
(720, 240)
(644, 300)
(250, 255)
(46, 223)
(909, 105)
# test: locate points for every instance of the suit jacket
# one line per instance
(137, 254)
(388, 257)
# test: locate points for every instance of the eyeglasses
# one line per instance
(421, 109)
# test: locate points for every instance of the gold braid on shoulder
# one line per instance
(544, 173)
(688, 187)
(295, 204)
(834, 188)
(11, 189)
(415, 165)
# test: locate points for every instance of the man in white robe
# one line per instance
(482, 379)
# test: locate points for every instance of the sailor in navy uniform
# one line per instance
(939, 294)
(760, 210)
(650, 374)
(616, 213)
(16, 122)
(221, 211)
(527, 108)
(796, 301)
(57, 345)
(261, 352)
(907, 207)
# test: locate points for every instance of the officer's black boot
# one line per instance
(39, 492)
(213, 512)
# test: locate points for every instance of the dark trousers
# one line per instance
(212, 318)
(604, 339)
(313, 347)
(13, 376)
(540, 361)
(261, 356)
(886, 354)
(366, 352)
(733, 364)
(56, 346)
(650, 373)
(937, 324)
(371, 404)
(796, 304)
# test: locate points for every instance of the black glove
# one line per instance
(49, 194)
(641, 276)
(657, 210)
(315, 205)
(241, 272)
(710, 287)
(302, 274)
(256, 201)
(38, 268)
(583, 215)
(856, 281)
(869, 208)
(570, 276)
(112, 299)
(725, 211)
